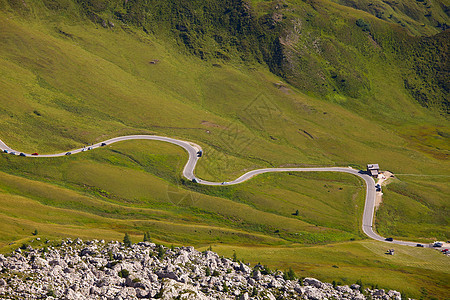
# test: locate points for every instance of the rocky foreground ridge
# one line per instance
(99, 270)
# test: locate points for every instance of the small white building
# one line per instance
(373, 169)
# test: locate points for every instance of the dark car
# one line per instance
(389, 239)
(35, 153)
(103, 144)
(6, 151)
(22, 154)
(195, 180)
(419, 245)
(68, 153)
(199, 153)
(12, 152)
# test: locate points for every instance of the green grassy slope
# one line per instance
(298, 84)
(419, 17)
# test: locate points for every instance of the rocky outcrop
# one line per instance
(99, 270)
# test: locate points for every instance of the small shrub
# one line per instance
(363, 24)
(224, 287)
(124, 273)
(289, 275)
(161, 252)
(266, 270)
(126, 240)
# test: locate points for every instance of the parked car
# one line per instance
(89, 148)
(199, 153)
(84, 149)
(6, 151)
(35, 153)
(22, 154)
(12, 152)
(378, 187)
(103, 144)
(195, 180)
(419, 245)
(68, 153)
(389, 239)
(437, 244)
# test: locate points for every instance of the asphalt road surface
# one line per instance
(188, 172)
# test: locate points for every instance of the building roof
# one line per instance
(373, 167)
(373, 172)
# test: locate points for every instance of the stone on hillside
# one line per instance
(245, 269)
(313, 282)
(395, 295)
(256, 274)
(73, 272)
(126, 293)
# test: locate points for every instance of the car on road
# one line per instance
(420, 245)
(437, 244)
(12, 152)
(378, 187)
(103, 144)
(389, 239)
(35, 154)
(5, 151)
(195, 180)
(84, 149)
(199, 153)
(89, 148)
(22, 154)
(68, 153)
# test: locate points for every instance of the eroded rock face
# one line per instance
(99, 270)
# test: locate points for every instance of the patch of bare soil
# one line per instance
(384, 178)
(210, 124)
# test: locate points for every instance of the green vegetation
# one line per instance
(298, 83)
(289, 274)
(147, 237)
(414, 208)
(124, 273)
(126, 240)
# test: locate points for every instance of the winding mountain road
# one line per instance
(188, 172)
